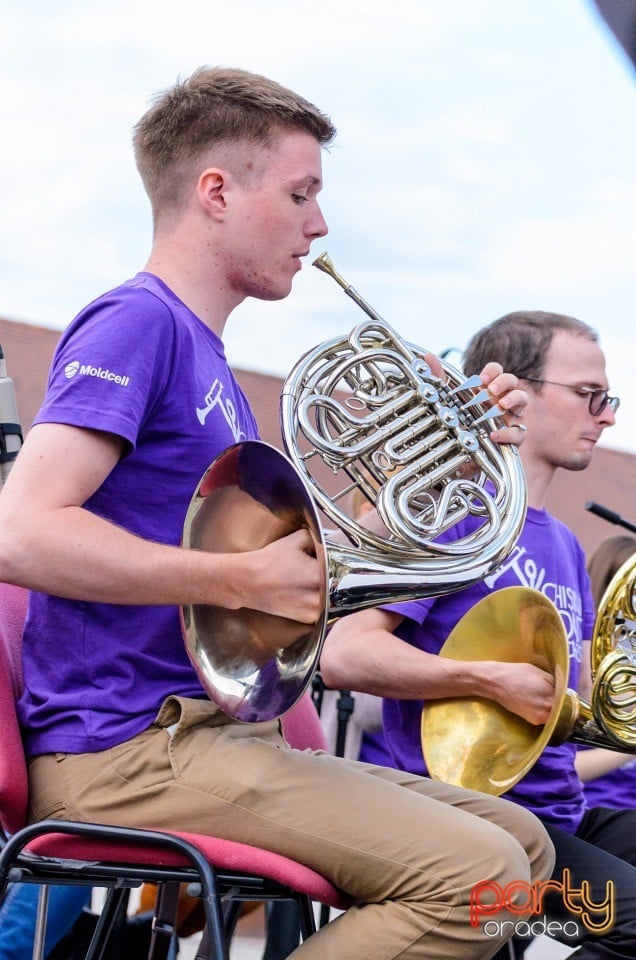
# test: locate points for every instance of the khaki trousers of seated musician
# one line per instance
(408, 849)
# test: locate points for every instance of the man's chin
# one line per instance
(578, 461)
(272, 293)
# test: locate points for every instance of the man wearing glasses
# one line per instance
(393, 652)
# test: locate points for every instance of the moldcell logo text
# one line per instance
(86, 370)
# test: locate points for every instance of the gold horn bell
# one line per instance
(476, 743)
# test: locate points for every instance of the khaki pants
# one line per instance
(409, 849)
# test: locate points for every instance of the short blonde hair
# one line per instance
(214, 107)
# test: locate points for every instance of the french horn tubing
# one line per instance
(476, 743)
(613, 656)
(368, 411)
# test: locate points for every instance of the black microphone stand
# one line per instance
(609, 515)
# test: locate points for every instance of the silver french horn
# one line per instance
(368, 411)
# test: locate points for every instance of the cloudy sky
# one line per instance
(485, 162)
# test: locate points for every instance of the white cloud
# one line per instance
(589, 252)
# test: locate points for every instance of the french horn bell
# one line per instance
(475, 743)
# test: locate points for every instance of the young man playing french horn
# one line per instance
(117, 726)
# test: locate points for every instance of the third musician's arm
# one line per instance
(362, 653)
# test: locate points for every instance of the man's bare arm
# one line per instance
(362, 653)
(52, 543)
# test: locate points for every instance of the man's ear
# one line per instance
(212, 189)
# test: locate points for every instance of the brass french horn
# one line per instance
(613, 656)
(369, 410)
(476, 743)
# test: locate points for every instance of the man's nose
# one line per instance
(318, 225)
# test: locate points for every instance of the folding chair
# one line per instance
(120, 858)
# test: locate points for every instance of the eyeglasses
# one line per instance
(598, 399)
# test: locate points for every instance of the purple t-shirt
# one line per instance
(616, 789)
(139, 364)
(548, 558)
(373, 749)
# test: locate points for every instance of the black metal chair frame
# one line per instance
(221, 891)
